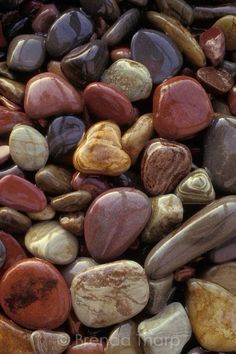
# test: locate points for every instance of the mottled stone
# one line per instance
(8, 119)
(26, 53)
(225, 252)
(136, 137)
(13, 222)
(100, 152)
(164, 165)
(223, 275)
(110, 293)
(167, 213)
(71, 29)
(2, 254)
(219, 147)
(124, 340)
(167, 332)
(196, 188)
(130, 77)
(160, 291)
(28, 148)
(158, 53)
(13, 90)
(20, 194)
(34, 295)
(61, 97)
(212, 42)
(54, 180)
(205, 230)
(124, 26)
(46, 214)
(106, 102)
(70, 202)
(79, 265)
(217, 81)
(73, 222)
(86, 64)
(45, 17)
(184, 40)
(227, 25)
(179, 9)
(212, 311)
(181, 108)
(103, 218)
(49, 241)
(48, 342)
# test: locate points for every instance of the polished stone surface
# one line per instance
(232, 101)
(107, 9)
(71, 202)
(227, 25)
(212, 42)
(13, 222)
(160, 290)
(94, 184)
(48, 342)
(45, 17)
(223, 275)
(79, 265)
(225, 252)
(12, 90)
(73, 222)
(9, 118)
(179, 9)
(216, 81)
(46, 214)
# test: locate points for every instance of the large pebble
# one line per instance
(13, 222)
(181, 108)
(158, 53)
(35, 295)
(212, 311)
(228, 25)
(62, 98)
(130, 77)
(103, 222)
(28, 148)
(45, 17)
(223, 275)
(195, 237)
(164, 165)
(49, 241)
(167, 332)
(110, 293)
(100, 152)
(20, 194)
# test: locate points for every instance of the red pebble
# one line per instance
(212, 42)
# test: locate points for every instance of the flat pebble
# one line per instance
(217, 81)
(13, 222)
(70, 202)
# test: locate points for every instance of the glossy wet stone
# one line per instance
(195, 237)
(5, 71)
(123, 27)
(46, 214)
(184, 40)
(73, 222)
(71, 29)
(110, 293)
(54, 67)
(2, 254)
(181, 108)
(12, 90)
(210, 301)
(63, 135)
(70, 202)
(214, 12)
(102, 222)
(223, 275)
(212, 42)
(79, 265)
(4, 154)
(86, 64)
(167, 213)
(49, 241)
(14, 339)
(48, 342)
(45, 17)
(88, 348)
(35, 295)
(28, 148)
(158, 53)
(219, 146)
(62, 98)
(230, 67)
(14, 251)
(227, 25)
(172, 323)
(20, 194)
(130, 77)
(196, 188)
(107, 9)
(164, 165)
(104, 101)
(54, 180)
(100, 152)
(9, 104)
(123, 339)
(8, 119)
(26, 53)
(120, 53)
(225, 252)
(13, 222)
(179, 9)
(160, 291)
(91, 183)
(217, 81)
(135, 138)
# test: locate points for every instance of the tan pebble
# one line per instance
(223, 275)
(73, 222)
(48, 342)
(70, 202)
(46, 214)
(12, 221)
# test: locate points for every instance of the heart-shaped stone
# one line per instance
(100, 152)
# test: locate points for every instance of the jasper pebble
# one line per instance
(46, 214)
(160, 332)
(79, 265)
(48, 342)
(34, 295)
(54, 180)
(9, 119)
(160, 291)
(223, 275)
(196, 188)
(212, 42)
(218, 81)
(227, 25)
(28, 148)
(49, 241)
(164, 165)
(135, 138)
(73, 222)
(167, 212)
(13, 222)
(2, 254)
(70, 202)
(130, 77)
(102, 222)
(110, 293)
